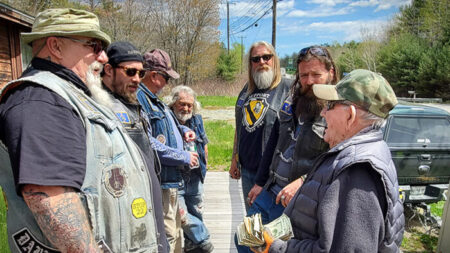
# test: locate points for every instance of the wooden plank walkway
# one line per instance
(224, 209)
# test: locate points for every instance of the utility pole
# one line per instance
(274, 23)
(228, 27)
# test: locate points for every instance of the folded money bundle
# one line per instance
(250, 231)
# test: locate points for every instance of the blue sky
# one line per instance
(307, 22)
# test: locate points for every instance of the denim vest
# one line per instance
(281, 93)
(196, 124)
(162, 130)
(309, 145)
(366, 146)
(116, 190)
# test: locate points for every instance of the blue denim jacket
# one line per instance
(196, 124)
(162, 130)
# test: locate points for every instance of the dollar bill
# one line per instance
(250, 230)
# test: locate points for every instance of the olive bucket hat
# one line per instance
(65, 22)
(364, 88)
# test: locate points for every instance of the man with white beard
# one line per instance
(74, 180)
(256, 111)
(184, 104)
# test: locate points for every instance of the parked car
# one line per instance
(419, 139)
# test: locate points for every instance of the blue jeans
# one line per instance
(266, 205)
(247, 181)
(191, 210)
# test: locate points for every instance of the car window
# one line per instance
(415, 130)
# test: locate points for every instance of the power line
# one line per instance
(257, 12)
(248, 16)
(241, 14)
(256, 21)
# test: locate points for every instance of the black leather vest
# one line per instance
(309, 145)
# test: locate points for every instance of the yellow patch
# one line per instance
(139, 208)
(254, 111)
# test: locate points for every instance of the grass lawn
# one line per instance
(417, 239)
(217, 101)
(220, 147)
(3, 233)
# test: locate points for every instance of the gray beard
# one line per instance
(94, 84)
(182, 117)
(263, 79)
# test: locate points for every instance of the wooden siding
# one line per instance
(5, 54)
(12, 23)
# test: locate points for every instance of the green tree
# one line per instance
(433, 73)
(399, 62)
(416, 56)
(347, 57)
(228, 65)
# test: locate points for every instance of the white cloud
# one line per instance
(285, 4)
(246, 9)
(285, 7)
(321, 12)
(380, 4)
(344, 30)
(327, 2)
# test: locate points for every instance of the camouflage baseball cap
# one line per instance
(364, 88)
(65, 22)
(159, 60)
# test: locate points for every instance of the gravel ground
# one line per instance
(226, 113)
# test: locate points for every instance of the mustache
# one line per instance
(263, 67)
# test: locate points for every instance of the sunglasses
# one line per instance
(97, 45)
(132, 71)
(166, 77)
(317, 51)
(265, 58)
(331, 104)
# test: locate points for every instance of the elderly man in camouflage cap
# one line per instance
(350, 202)
(84, 182)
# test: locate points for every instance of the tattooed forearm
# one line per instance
(61, 217)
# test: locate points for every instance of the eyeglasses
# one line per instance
(166, 77)
(331, 104)
(314, 50)
(132, 71)
(97, 45)
(265, 58)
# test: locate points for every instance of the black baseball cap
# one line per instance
(122, 51)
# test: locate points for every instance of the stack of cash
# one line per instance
(250, 231)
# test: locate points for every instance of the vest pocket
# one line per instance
(91, 204)
(107, 147)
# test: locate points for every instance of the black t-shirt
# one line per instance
(250, 143)
(45, 137)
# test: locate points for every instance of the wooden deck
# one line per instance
(224, 209)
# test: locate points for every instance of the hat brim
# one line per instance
(27, 38)
(173, 74)
(326, 92)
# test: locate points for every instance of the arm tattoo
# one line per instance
(61, 217)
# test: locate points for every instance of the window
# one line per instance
(419, 130)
